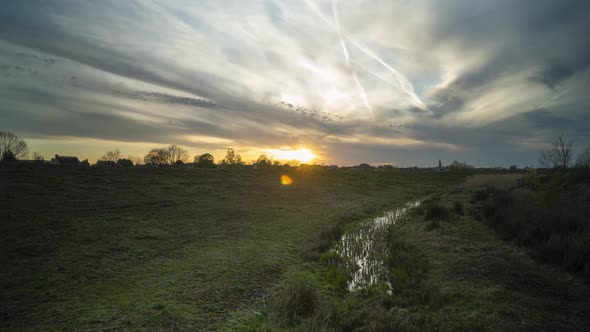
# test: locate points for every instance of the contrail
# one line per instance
(362, 92)
(337, 22)
(403, 82)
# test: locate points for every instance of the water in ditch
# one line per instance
(364, 249)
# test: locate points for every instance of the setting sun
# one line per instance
(301, 155)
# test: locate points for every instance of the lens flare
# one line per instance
(286, 180)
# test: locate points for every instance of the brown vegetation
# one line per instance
(552, 219)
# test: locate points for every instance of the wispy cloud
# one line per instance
(464, 77)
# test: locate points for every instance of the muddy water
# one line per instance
(364, 249)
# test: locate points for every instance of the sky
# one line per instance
(372, 81)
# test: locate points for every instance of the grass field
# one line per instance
(180, 249)
(449, 271)
(477, 281)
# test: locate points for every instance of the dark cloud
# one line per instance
(543, 118)
(494, 79)
(553, 74)
(169, 99)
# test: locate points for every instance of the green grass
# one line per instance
(179, 249)
(476, 281)
(457, 276)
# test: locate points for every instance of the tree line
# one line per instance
(560, 154)
(14, 148)
(175, 155)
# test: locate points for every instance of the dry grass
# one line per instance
(556, 230)
(496, 181)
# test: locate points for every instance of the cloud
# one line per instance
(465, 78)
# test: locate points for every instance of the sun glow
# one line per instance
(301, 155)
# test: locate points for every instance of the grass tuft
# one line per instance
(298, 303)
(406, 263)
(313, 248)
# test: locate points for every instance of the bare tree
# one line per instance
(177, 153)
(16, 145)
(584, 158)
(559, 155)
(111, 156)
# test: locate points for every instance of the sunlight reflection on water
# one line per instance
(364, 249)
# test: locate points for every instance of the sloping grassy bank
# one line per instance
(448, 270)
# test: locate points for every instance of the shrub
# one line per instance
(556, 229)
(461, 167)
(437, 211)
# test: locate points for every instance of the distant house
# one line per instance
(65, 160)
(363, 167)
(84, 163)
(105, 163)
(124, 163)
(441, 168)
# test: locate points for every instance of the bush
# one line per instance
(461, 167)
(458, 208)
(556, 229)
(437, 211)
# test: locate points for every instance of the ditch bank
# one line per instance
(432, 265)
